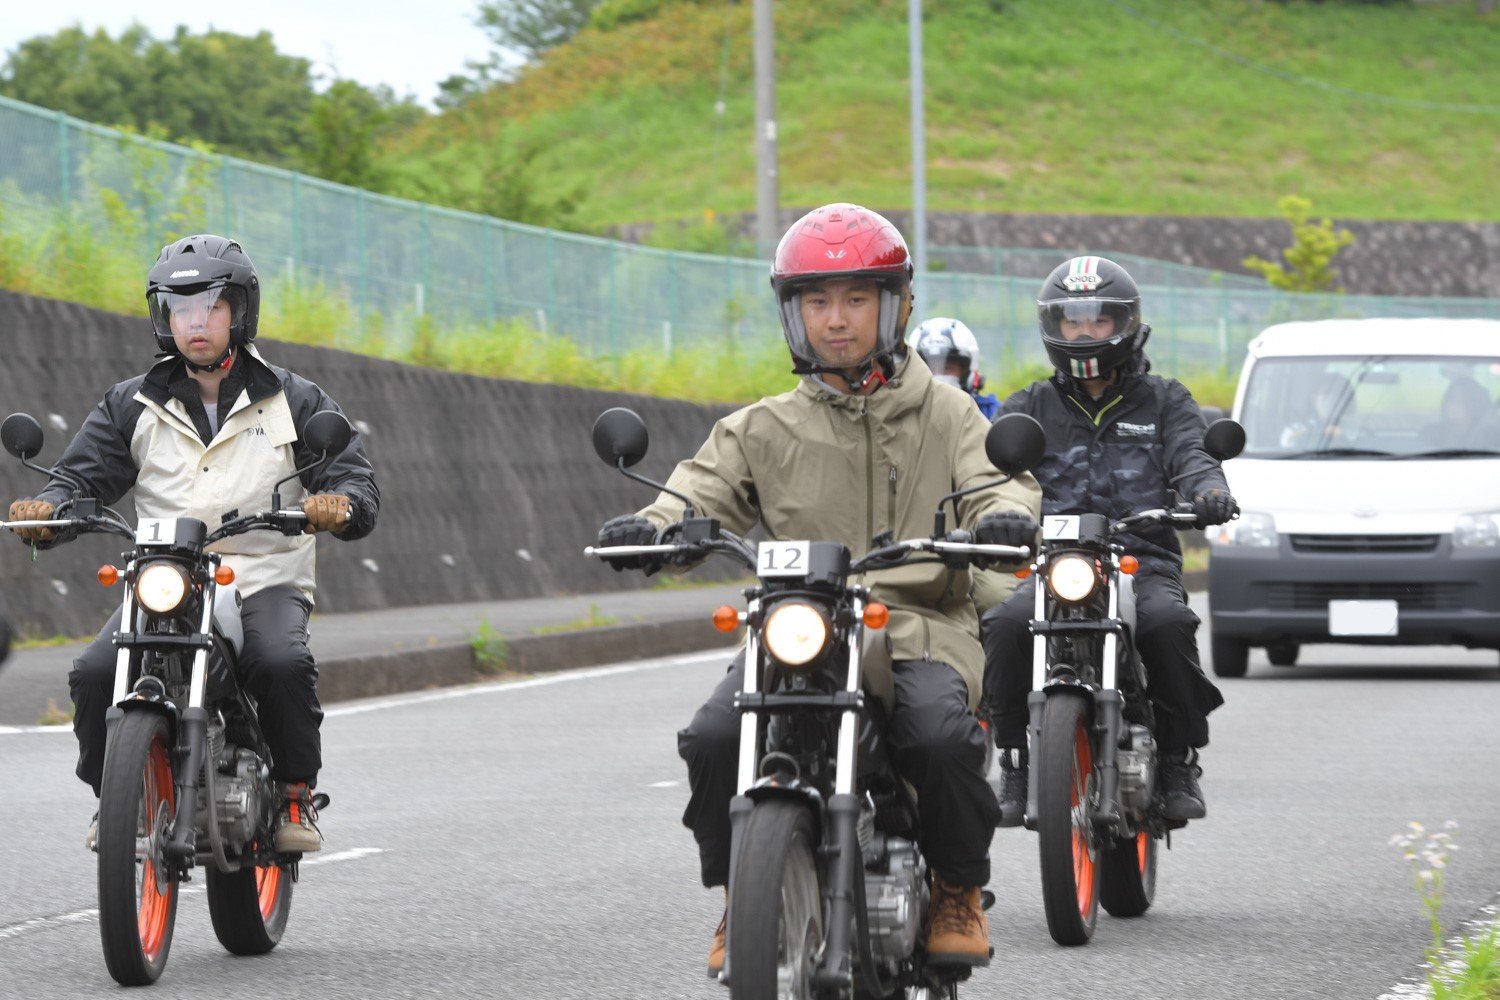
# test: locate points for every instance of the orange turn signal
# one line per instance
(876, 615)
(1129, 564)
(108, 576)
(224, 576)
(726, 619)
(1022, 574)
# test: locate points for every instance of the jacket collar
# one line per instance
(905, 391)
(250, 370)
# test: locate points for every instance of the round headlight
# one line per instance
(1072, 578)
(161, 588)
(795, 633)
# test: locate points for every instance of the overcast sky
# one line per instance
(409, 44)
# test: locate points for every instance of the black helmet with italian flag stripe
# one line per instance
(1090, 314)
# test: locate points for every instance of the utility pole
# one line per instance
(767, 197)
(918, 151)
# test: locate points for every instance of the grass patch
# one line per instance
(48, 641)
(594, 619)
(491, 651)
(55, 716)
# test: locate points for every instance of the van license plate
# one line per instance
(1362, 617)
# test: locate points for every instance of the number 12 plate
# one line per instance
(781, 559)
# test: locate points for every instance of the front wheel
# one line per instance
(1067, 788)
(1231, 657)
(137, 895)
(775, 905)
(1127, 881)
(249, 907)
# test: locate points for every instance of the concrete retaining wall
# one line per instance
(490, 488)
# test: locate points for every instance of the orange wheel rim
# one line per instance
(1083, 858)
(154, 910)
(268, 889)
(1142, 849)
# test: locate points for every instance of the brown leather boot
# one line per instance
(957, 931)
(716, 952)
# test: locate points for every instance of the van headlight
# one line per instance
(795, 633)
(161, 588)
(1253, 530)
(1072, 578)
(1477, 531)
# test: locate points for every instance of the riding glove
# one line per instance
(326, 512)
(1214, 507)
(32, 510)
(629, 529)
(1007, 527)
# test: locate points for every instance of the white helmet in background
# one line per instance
(950, 350)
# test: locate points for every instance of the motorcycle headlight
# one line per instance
(1477, 531)
(795, 633)
(1072, 578)
(161, 588)
(1253, 530)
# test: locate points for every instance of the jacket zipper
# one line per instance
(864, 417)
(890, 512)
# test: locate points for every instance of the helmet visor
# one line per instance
(215, 309)
(1071, 320)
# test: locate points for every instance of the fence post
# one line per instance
(64, 163)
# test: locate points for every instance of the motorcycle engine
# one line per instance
(242, 799)
(896, 897)
(1137, 765)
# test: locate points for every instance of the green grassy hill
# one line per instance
(1213, 107)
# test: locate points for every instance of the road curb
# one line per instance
(348, 677)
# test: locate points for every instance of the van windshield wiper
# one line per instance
(1339, 453)
(1455, 453)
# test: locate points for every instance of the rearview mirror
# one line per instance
(327, 432)
(1224, 439)
(21, 435)
(620, 436)
(1015, 443)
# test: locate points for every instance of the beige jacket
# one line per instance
(816, 465)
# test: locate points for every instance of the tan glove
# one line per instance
(32, 510)
(326, 512)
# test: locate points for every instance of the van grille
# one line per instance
(1408, 596)
(1364, 543)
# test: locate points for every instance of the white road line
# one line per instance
(505, 687)
(37, 924)
(466, 691)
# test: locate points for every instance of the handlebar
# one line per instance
(882, 558)
(290, 522)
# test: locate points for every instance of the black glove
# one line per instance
(1007, 527)
(1214, 507)
(630, 529)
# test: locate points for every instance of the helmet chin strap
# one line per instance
(218, 364)
(859, 377)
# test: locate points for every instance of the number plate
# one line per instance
(156, 531)
(1362, 617)
(1060, 527)
(775, 559)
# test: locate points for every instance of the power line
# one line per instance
(1305, 81)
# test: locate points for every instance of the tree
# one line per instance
(531, 27)
(1309, 260)
(346, 124)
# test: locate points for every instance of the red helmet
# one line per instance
(842, 241)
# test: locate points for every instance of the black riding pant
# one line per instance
(938, 747)
(275, 667)
(1181, 694)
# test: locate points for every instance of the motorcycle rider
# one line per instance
(867, 442)
(952, 352)
(1116, 436)
(205, 433)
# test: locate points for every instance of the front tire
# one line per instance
(775, 905)
(1066, 793)
(1231, 657)
(137, 896)
(1127, 882)
(249, 908)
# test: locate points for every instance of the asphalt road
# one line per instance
(523, 841)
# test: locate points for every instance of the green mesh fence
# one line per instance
(401, 264)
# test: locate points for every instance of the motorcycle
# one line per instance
(1093, 799)
(828, 891)
(187, 777)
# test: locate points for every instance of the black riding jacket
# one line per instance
(1116, 455)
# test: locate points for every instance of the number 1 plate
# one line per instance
(155, 531)
(781, 559)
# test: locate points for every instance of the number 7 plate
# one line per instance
(773, 559)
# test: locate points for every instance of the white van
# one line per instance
(1369, 490)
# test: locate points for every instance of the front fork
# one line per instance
(1109, 708)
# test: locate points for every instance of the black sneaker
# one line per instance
(1012, 787)
(1179, 773)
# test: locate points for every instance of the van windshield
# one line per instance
(1374, 406)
